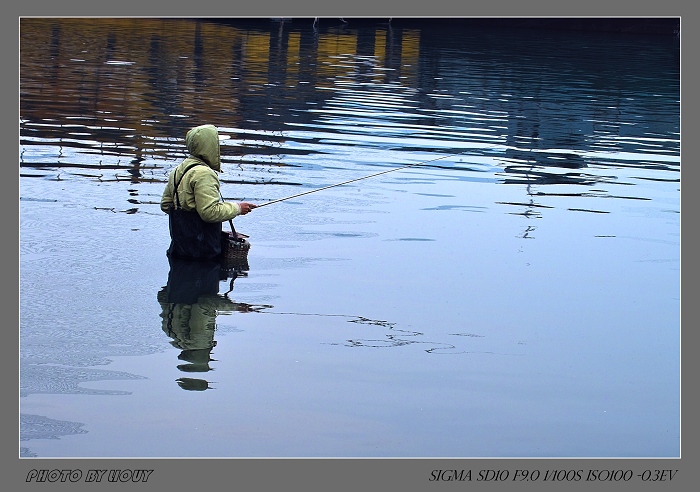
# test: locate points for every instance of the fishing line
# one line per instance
(358, 179)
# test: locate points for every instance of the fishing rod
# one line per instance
(358, 179)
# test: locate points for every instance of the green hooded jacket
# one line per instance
(199, 189)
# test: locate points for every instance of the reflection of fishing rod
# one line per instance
(358, 179)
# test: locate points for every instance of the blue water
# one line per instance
(513, 293)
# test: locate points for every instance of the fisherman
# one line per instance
(192, 199)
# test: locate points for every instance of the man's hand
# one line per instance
(246, 207)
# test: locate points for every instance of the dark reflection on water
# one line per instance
(571, 138)
(110, 99)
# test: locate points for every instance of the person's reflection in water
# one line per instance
(190, 303)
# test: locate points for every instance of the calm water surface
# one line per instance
(515, 295)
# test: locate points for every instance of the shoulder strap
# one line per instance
(177, 183)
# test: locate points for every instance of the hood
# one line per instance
(203, 142)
